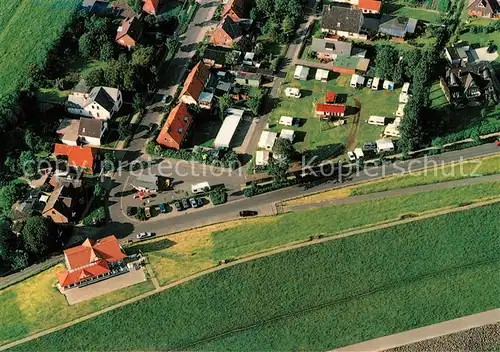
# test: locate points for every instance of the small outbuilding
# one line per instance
(286, 120)
(262, 157)
(287, 134)
(301, 73)
(267, 139)
(322, 75)
(384, 145)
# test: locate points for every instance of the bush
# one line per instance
(218, 196)
(141, 214)
(255, 190)
(96, 218)
(472, 132)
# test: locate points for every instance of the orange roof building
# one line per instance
(82, 157)
(194, 83)
(150, 6)
(175, 129)
(370, 6)
(91, 261)
(236, 10)
(129, 32)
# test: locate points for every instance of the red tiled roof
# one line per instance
(331, 108)
(150, 6)
(239, 7)
(330, 97)
(176, 126)
(68, 278)
(374, 5)
(195, 80)
(77, 156)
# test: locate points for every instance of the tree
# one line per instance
(232, 58)
(258, 50)
(107, 51)
(142, 56)
(287, 27)
(19, 259)
(10, 193)
(254, 103)
(288, 8)
(138, 103)
(270, 28)
(397, 76)
(12, 165)
(277, 169)
(109, 163)
(95, 77)
(283, 149)
(6, 239)
(410, 127)
(86, 45)
(28, 162)
(171, 44)
(386, 59)
(136, 5)
(265, 7)
(225, 102)
(37, 235)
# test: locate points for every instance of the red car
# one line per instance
(497, 142)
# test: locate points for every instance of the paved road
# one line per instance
(425, 333)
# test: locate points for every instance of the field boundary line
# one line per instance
(241, 261)
(425, 333)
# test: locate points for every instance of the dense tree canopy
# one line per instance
(386, 61)
(37, 235)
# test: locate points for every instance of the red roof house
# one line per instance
(370, 6)
(323, 110)
(129, 32)
(150, 6)
(90, 261)
(194, 83)
(227, 33)
(175, 129)
(236, 10)
(78, 156)
(330, 97)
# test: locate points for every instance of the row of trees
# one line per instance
(280, 17)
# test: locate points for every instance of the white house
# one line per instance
(301, 72)
(384, 145)
(322, 75)
(286, 120)
(267, 140)
(262, 157)
(90, 131)
(287, 134)
(101, 103)
(292, 92)
(400, 112)
(228, 128)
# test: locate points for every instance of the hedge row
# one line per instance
(473, 133)
(255, 190)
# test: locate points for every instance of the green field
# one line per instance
(320, 139)
(28, 29)
(315, 298)
(436, 96)
(418, 13)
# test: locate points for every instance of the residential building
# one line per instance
(267, 140)
(68, 131)
(227, 33)
(92, 261)
(129, 32)
(329, 110)
(80, 157)
(342, 21)
(59, 206)
(458, 54)
(248, 79)
(483, 8)
(91, 131)
(194, 84)
(397, 26)
(215, 57)
(174, 131)
(151, 6)
(328, 49)
(101, 103)
(370, 6)
(236, 10)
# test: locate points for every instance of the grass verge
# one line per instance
(317, 297)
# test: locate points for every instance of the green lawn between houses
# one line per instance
(318, 138)
(315, 298)
(28, 29)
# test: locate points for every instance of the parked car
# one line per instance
(163, 208)
(351, 156)
(144, 235)
(195, 202)
(147, 212)
(369, 82)
(185, 204)
(497, 142)
(178, 206)
(369, 146)
(245, 213)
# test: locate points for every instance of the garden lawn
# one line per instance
(323, 140)
(28, 29)
(314, 298)
(482, 39)
(35, 304)
(420, 14)
(436, 96)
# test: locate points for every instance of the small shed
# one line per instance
(267, 139)
(400, 112)
(248, 79)
(262, 157)
(388, 85)
(301, 72)
(322, 75)
(362, 65)
(286, 120)
(376, 83)
(223, 86)
(384, 145)
(205, 100)
(228, 128)
(376, 120)
(287, 134)
(357, 81)
(248, 58)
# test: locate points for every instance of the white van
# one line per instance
(200, 187)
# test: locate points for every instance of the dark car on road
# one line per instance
(178, 206)
(245, 213)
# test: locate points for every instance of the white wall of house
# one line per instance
(345, 34)
(369, 11)
(69, 142)
(98, 112)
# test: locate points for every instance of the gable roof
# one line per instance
(177, 123)
(331, 108)
(58, 203)
(394, 26)
(107, 249)
(150, 6)
(130, 26)
(238, 6)
(90, 127)
(232, 28)
(101, 96)
(373, 5)
(338, 47)
(487, 6)
(67, 278)
(195, 81)
(343, 19)
(77, 156)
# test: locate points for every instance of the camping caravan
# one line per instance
(376, 83)
(301, 73)
(286, 120)
(357, 81)
(384, 145)
(400, 112)
(388, 85)
(376, 120)
(200, 187)
(358, 152)
(292, 92)
(406, 88)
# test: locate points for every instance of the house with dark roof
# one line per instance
(95, 6)
(194, 84)
(59, 206)
(328, 49)
(472, 85)
(92, 261)
(236, 10)
(483, 8)
(100, 103)
(215, 57)
(129, 32)
(396, 26)
(79, 157)
(342, 21)
(227, 33)
(174, 131)
(458, 54)
(90, 131)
